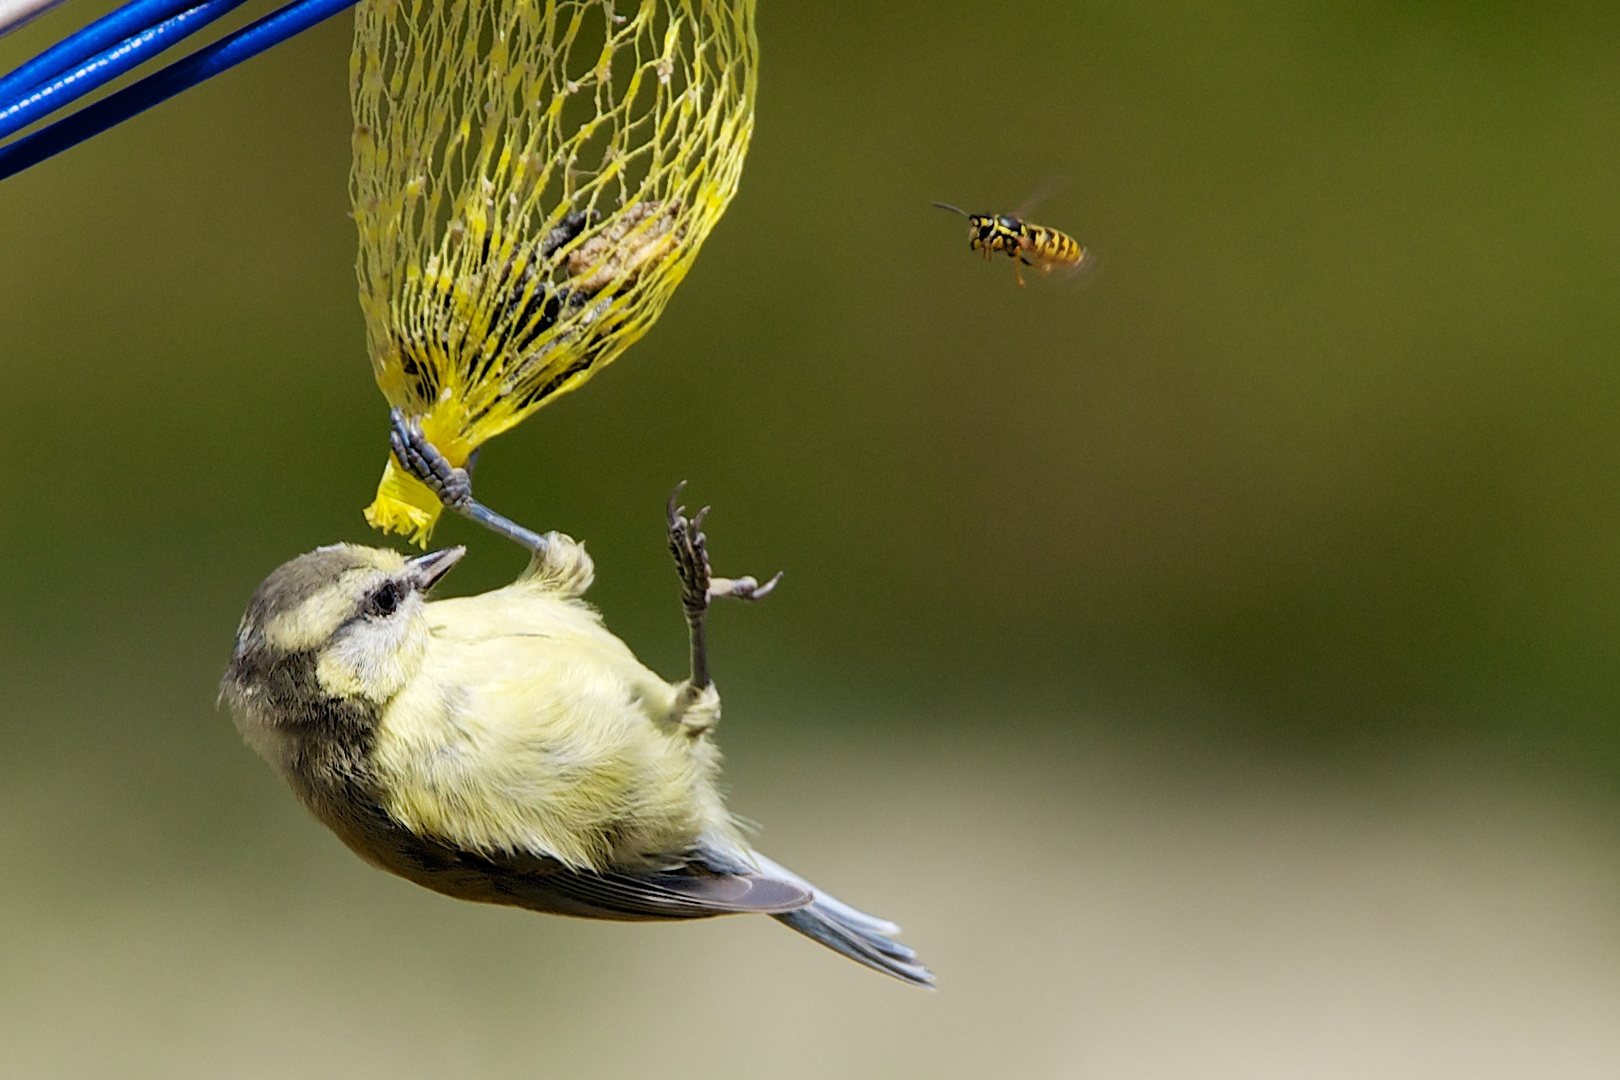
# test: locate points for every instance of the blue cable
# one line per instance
(127, 54)
(105, 32)
(158, 87)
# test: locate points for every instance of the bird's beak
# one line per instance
(426, 570)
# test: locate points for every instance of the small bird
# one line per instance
(506, 747)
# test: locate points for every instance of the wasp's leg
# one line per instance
(1018, 271)
(453, 486)
(698, 586)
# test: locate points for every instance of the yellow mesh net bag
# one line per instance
(532, 179)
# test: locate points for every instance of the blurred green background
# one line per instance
(1212, 667)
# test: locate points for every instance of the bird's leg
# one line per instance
(698, 586)
(453, 486)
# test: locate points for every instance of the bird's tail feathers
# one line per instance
(877, 952)
(837, 907)
(861, 937)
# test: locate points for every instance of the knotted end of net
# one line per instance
(406, 505)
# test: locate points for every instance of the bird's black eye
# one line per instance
(385, 600)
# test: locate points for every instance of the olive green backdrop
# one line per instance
(1212, 665)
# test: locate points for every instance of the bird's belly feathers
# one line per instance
(532, 729)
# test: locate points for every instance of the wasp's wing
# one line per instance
(1081, 274)
(1048, 188)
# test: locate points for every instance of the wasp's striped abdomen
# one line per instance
(1051, 248)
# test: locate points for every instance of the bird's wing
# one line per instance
(690, 891)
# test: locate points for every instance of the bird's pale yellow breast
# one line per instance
(531, 728)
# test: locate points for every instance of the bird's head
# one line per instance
(337, 632)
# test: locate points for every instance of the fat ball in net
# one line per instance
(532, 179)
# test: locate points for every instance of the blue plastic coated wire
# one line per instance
(127, 21)
(158, 87)
(127, 54)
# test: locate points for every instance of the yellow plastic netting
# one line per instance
(532, 179)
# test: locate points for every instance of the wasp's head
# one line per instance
(989, 233)
(992, 233)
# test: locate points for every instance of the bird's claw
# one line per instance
(743, 588)
(689, 546)
(422, 460)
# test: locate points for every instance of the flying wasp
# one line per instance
(1030, 245)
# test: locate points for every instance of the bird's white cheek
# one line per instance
(338, 676)
(373, 663)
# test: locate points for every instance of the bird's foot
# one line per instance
(422, 460)
(689, 546)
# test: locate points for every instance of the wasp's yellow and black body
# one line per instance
(1028, 245)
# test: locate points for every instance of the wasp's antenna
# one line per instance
(953, 209)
